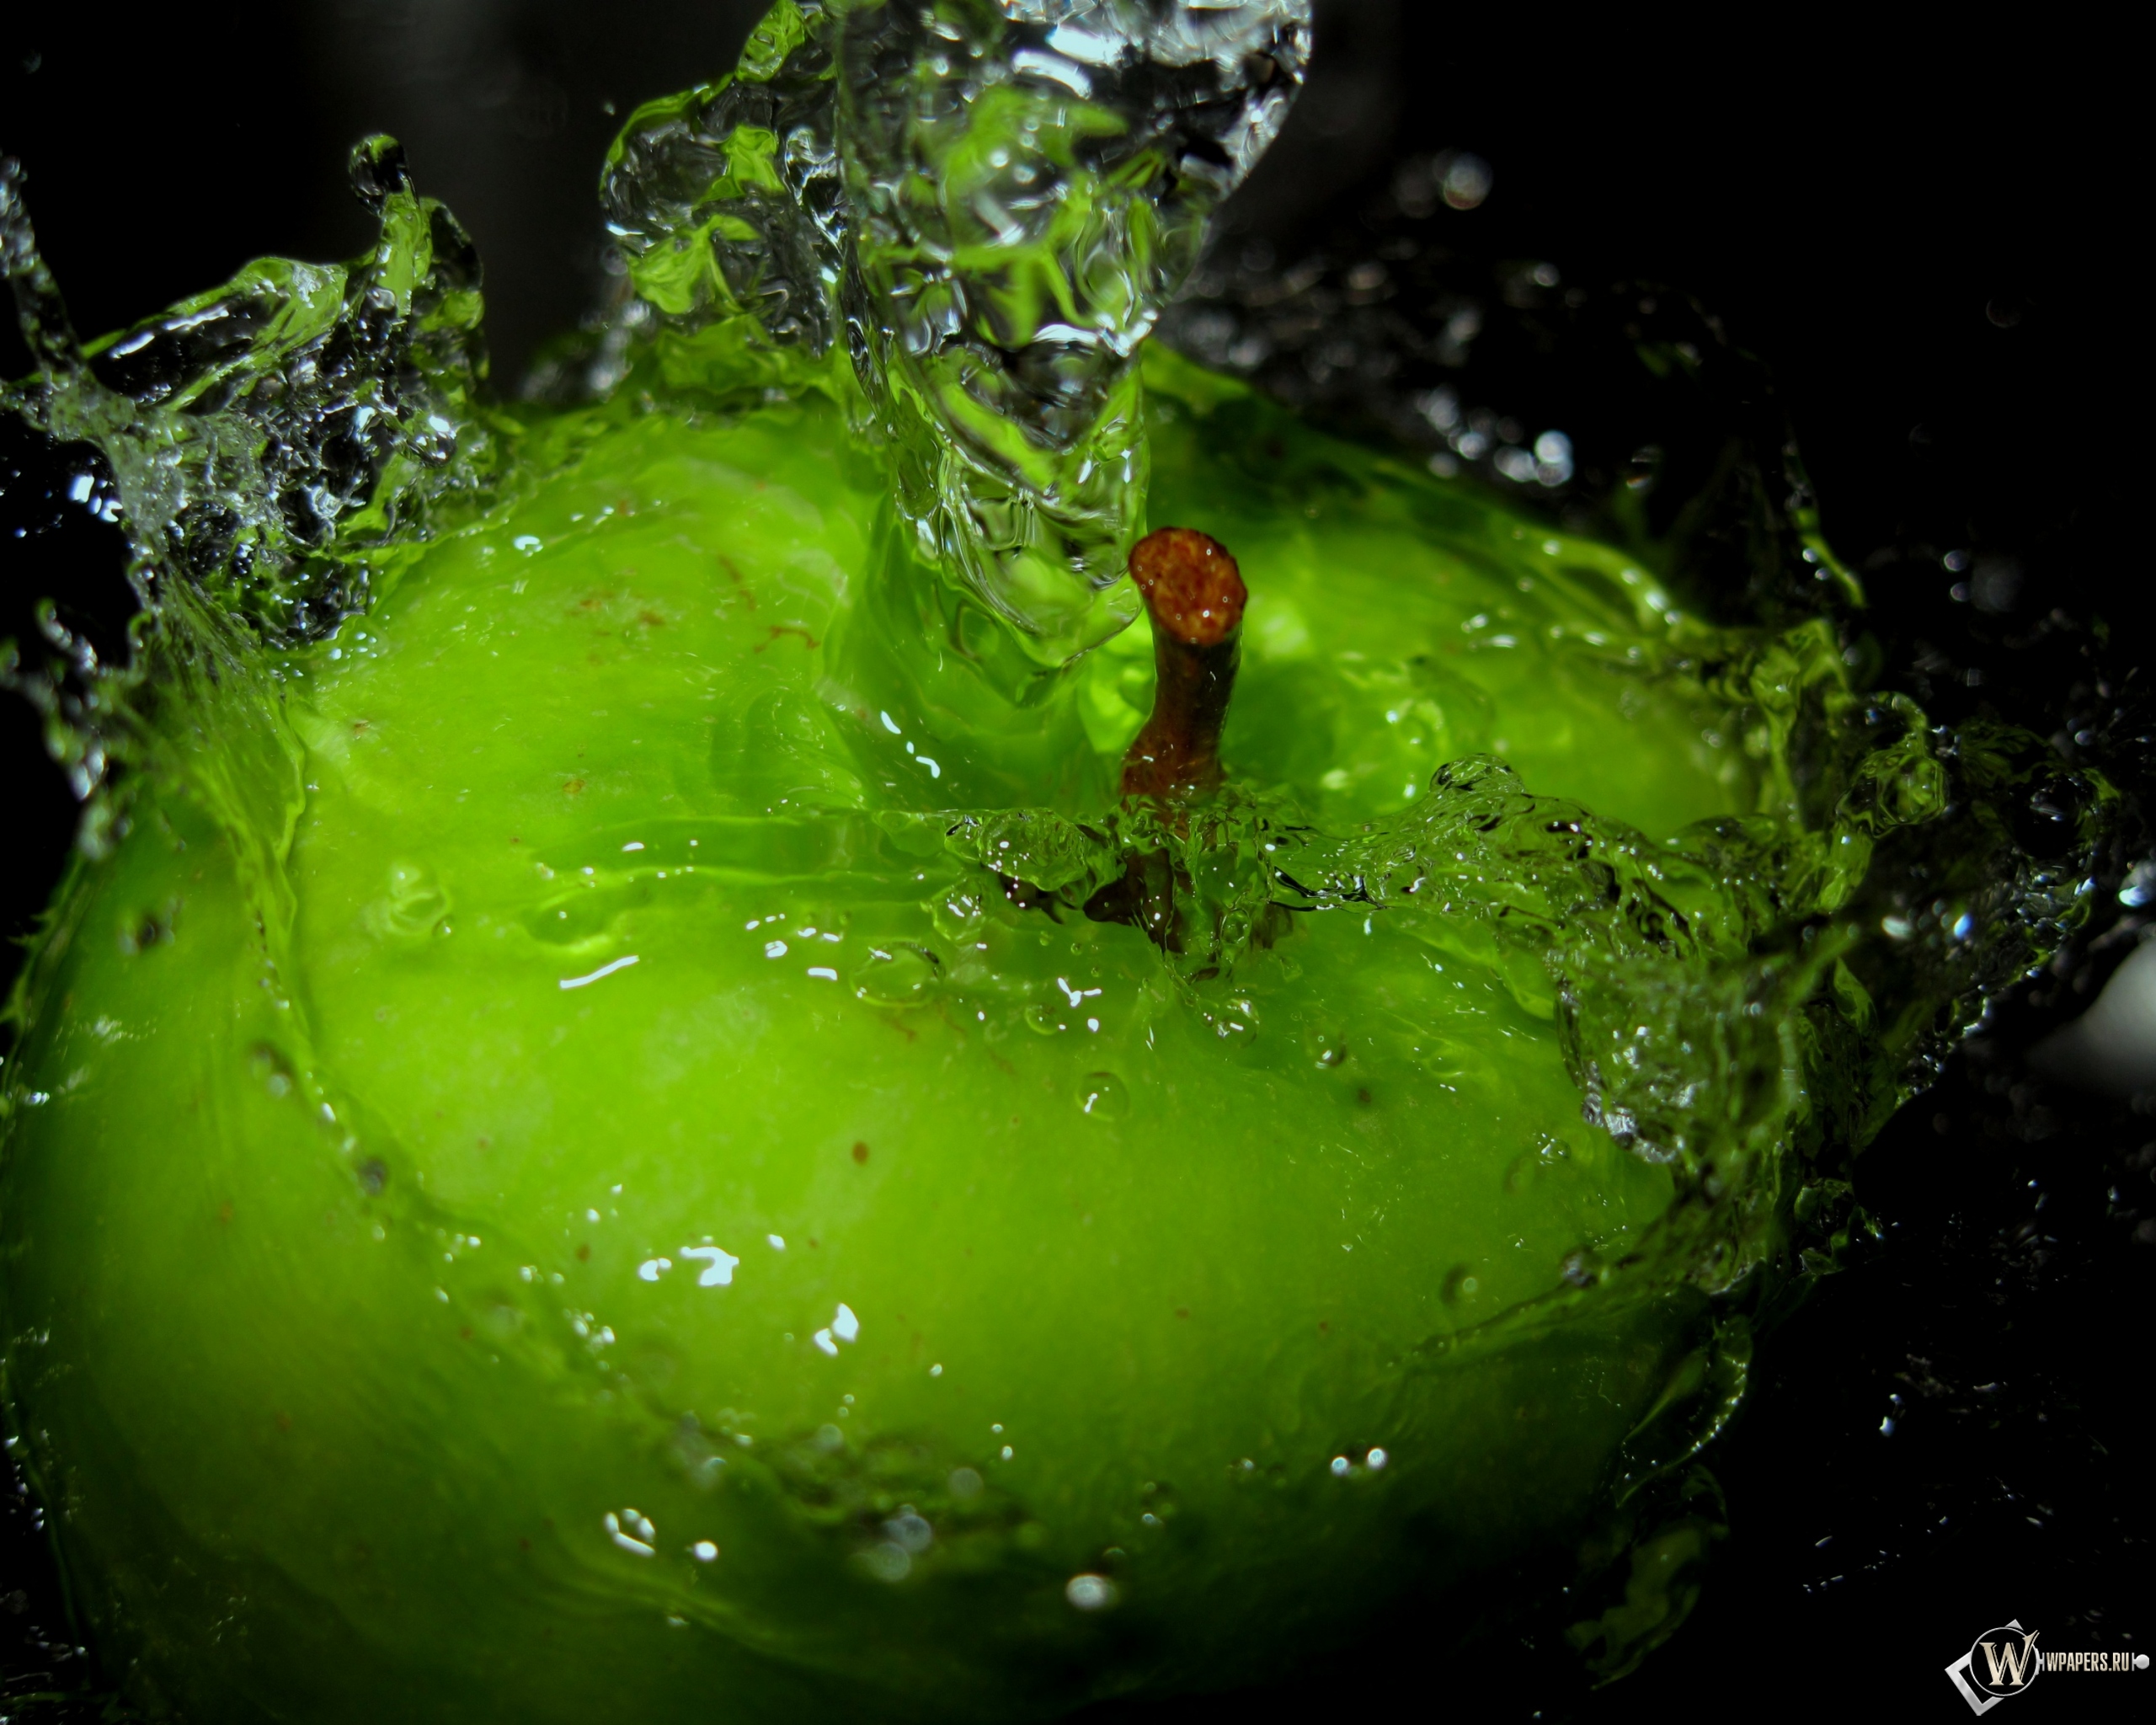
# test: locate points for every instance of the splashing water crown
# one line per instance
(992, 204)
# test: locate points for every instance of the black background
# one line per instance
(1929, 237)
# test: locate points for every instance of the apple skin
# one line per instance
(398, 1319)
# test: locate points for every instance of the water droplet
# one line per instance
(1325, 1045)
(1102, 1095)
(413, 906)
(897, 974)
(1234, 1020)
(1091, 1593)
(272, 1069)
(1553, 458)
(887, 1561)
(1466, 181)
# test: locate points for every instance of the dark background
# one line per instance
(1928, 238)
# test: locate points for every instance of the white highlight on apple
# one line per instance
(603, 970)
(719, 1265)
(843, 1327)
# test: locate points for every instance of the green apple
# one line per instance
(656, 1195)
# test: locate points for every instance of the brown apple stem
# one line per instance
(1195, 595)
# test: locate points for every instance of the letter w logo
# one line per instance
(2015, 1664)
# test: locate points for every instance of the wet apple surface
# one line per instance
(668, 1185)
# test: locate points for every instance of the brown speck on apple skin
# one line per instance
(860, 1152)
(583, 1254)
(1182, 1312)
(779, 630)
(225, 1211)
(574, 787)
(733, 575)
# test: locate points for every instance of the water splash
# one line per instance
(1745, 1003)
(726, 211)
(280, 446)
(994, 203)
(277, 442)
